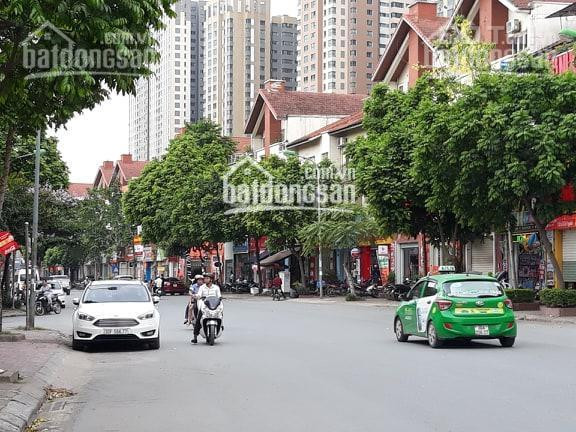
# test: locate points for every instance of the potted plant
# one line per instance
(558, 302)
(523, 299)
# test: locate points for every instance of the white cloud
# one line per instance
(102, 134)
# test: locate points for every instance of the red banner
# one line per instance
(7, 243)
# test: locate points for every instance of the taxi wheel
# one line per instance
(399, 331)
(433, 340)
(507, 342)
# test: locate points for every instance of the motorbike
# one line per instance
(212, 316)
(44, 307)
(374, 290)
(19, 299)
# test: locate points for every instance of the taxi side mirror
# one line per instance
(156, 299)
(76, 301)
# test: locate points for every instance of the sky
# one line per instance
(102, 133)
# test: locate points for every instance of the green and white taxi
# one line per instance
(456, 306)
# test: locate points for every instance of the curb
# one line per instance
(19, 411)
(545, 320)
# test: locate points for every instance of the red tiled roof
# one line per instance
(344, 123)
(292, 103)
(79, 190)
(105, 175)
(429, 29)
(131, 169)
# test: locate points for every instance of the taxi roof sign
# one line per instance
(446, 269)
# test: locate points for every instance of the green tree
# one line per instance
(397, 125)
(342, 230)
(100, 224)
(511, 146)
(26, 105)
(281, 226)
(54, 172)
(179, 200)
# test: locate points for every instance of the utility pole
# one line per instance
(29, 289)
(35, 270)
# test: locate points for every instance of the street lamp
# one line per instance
(293, 153)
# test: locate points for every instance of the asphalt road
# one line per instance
(292, 366)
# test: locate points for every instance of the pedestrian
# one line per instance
(192, 307)
(207, 290)
(277, 288)
(376, 275)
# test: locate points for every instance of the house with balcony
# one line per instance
(279, 117)
(512, 26)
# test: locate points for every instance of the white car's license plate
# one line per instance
(482, 330)
(117, 331)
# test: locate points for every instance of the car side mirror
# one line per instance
(76, 301)
(156, 299)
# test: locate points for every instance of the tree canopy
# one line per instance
(179, 199)
(39, 89)
(455, 161)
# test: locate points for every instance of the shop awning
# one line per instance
(564, 222)
(7, 243)
(279, 256)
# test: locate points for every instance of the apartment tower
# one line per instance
(172, 96)
(236, 61)
(284, 46)
(340, 42)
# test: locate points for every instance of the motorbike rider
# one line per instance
(46, 290)
(209, 289)
(159, 282)
(192, 307)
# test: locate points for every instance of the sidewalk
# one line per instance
(36, 359)
(7, 313)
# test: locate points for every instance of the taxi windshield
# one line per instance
(473, 288)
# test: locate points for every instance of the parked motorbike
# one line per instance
(43, 306)
(212, 315)
(374, 290)
(19, 299)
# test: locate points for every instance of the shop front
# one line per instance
(564, 229)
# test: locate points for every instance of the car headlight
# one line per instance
(85, 317)
(147, 315)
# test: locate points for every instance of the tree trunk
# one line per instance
(303, 279)
(8, 147)
(349, 280)
(257, 259)
(547, 245)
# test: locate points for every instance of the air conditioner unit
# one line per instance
(513, 26)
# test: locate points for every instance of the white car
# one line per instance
(116, 310)
(64, 281)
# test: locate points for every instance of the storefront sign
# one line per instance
(383, 250)
(240, 247)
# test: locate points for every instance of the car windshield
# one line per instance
(116, 294)
(59, 277)
(473, 288)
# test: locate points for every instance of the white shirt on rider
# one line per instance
(209, 291)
